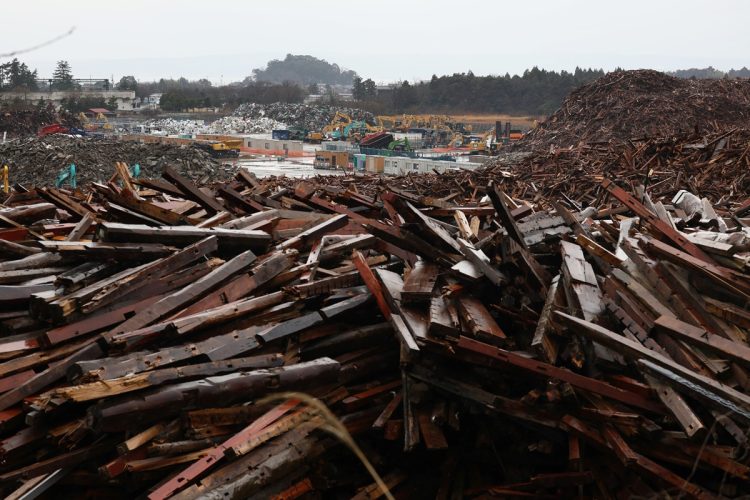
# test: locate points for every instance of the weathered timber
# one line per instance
(228, 239)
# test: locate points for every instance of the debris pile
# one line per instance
(716, 164)
(623, 105)
(25, 122)
(474, 343)
(223, 125)
(37, 161)
(304, 116)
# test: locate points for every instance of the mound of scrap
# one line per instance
(27, 121)
(304, 116)
(624, 105)
(223, 125)
(716, 164)
(37, 161)
(164, 340)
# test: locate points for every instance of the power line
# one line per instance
(43, 44)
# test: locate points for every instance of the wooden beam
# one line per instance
(191, 191)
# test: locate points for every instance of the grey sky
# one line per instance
(382, 39)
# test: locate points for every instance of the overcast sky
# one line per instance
(386, 40)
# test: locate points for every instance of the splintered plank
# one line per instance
(636, 461)
(81, 228)
(388, 411)
(482, 263)
(232, 198)
(184, 235)
(65, 202)
(372, 283)
(464, 227)
(146, 208)
(419, 286)
(698, 385)
(242, 285)
(177, 482)
(192, 191)
(506, 217)
(444, 320)
(306, 238)
(153, 271)
(133, 382)
(97, 250)
(479, 321)
(184, 296)
(659, 225)
(582, 287)
(703, 339)
(542, 342)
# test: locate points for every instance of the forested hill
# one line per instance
(303, 70)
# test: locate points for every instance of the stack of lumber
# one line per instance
(161, 339)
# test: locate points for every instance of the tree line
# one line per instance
(183, 94)
(535, 92)
(711, 72)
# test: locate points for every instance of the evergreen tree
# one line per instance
(127, 83)
(358, 90)
(369, 89)
(63, 76)
(17, 75)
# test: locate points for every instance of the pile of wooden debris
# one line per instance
(476, 344)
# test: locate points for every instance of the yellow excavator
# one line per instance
(229, 148)
(338, 122)
(100, 118)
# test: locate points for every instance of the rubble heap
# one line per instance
(37, 161)
(304, 116)
(223, 125)
(25, 122)
(716, 164)
(634, 104)
(476, 343)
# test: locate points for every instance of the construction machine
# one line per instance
(376, 140)
(400, 145)
(222, 149)
(103, 122)
(338, 123)
(58, 128)
(314, 137)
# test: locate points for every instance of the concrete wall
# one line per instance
(125, 98)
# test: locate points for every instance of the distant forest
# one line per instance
(536, 92)
(711, 72)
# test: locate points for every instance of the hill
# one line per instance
(304, 70)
